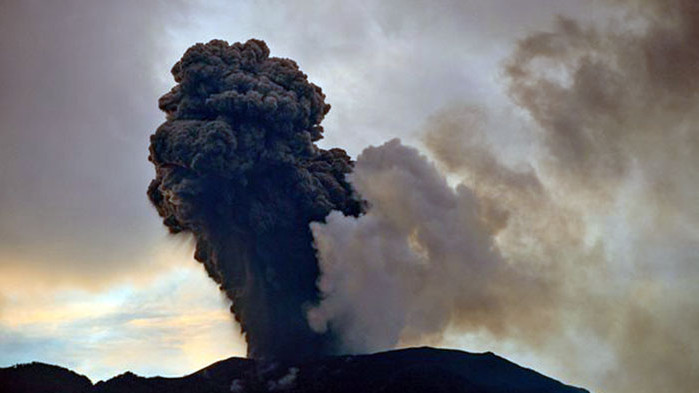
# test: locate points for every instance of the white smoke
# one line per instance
(422, 257)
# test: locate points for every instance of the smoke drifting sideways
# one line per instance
(237, 167)
(425, 258)
(611, 91)
(587, 256)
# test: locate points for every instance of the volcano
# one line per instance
(407, 370)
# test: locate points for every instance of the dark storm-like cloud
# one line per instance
(236, 165)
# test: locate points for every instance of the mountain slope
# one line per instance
(405, 371)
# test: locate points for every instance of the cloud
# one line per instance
(79, 100)
(179, 320)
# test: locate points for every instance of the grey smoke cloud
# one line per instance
(593, 245)
(614, 101)
(422, 258)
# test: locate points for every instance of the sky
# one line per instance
(572, 118)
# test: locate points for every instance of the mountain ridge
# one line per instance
(421, 369)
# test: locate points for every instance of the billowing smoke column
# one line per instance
(236, 165)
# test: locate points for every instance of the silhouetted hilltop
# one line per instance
(40, 377)
(404, 371)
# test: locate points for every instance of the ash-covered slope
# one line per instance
(404, 371)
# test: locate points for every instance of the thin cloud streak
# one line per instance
(178, 319)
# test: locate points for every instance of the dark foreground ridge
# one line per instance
(407, 370)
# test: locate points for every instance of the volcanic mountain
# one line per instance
(406, 370)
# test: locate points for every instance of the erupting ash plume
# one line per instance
(585, 253)
(236, 166)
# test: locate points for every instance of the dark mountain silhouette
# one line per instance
(407, 370)
(40, 377)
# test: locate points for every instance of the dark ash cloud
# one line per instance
(236, 165)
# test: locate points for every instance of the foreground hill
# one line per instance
(404, 371)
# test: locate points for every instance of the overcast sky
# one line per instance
(89, 278)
